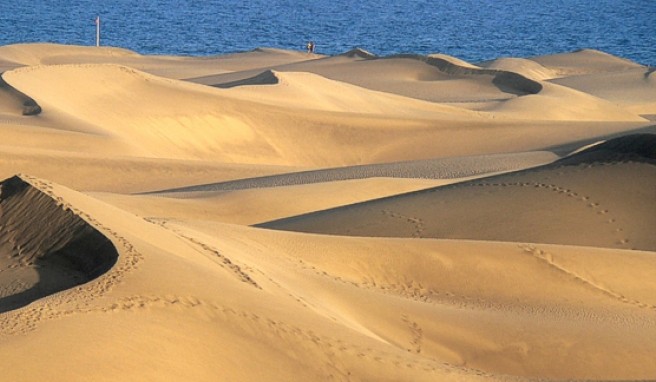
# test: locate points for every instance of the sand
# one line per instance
(278, 215)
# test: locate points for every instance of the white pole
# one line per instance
(97, 30)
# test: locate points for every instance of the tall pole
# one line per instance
(97, 30)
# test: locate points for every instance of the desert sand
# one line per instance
(283, 216)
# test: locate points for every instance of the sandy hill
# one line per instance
(311, 91)
(260, 199)
(601, 203)
(44, 248)
(260, 204)
(453, 60)
(166, 66)
(149, 292)
(206, 125)
(555, 102)
(38, 54)
(335, 308)
(441, 168)
(14, 103)
(633, 89)
(188, 121)
(359, 53)
(527, 68)
(584, 61)
(508, 88)
(312, 218)
(427, 78)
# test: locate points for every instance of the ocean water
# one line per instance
(473, 30)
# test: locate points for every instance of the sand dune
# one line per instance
(633, 89)
(257, 205)
(435, 78)
(353, 217)
(44, 248)
(311, 91)
(495, 296)
(165, 66)
(527, 68)
(98, 172)
(445, 168)
(506, 84)
(40, 54)
(555, 102)
(211, 125)
(139, 305)
(359, 53)
(600, 204)
(260, 199)
(118, 108)
(194, 292)
(584, 61)
(14, 103)
(453, 60)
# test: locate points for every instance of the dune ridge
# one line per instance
(44, 248)
(267, 77)
(40, 54)
(286, 216)
(359, 53)
(527, 68)
(584, 61)
(441, 79)
(630, 148)
(308, 90)
(15, 102)
(509, 82)
(447, 168)
(230, 129)
(608, 191)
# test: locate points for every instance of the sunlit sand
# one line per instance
(279, 215)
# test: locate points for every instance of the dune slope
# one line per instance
(44, 248)
(197, 299)
(602, 202)
(313, 218)
(335, 308)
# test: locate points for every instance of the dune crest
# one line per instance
(268, 77)
(39, 54)
(453, 60)
(284, 216)
(359, 53)
(16, 103)
(631, 148)
(527, 68)
(44, 248)
(595, 210)
(559, 103)
(507, 81)
(307, 90)
(584, 61)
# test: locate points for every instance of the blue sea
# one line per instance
(473, 30)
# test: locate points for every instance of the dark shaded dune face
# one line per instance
(635, 147)
(44, 248)
(507, 82)
(15, 102)
(517, 84)
(267, 77)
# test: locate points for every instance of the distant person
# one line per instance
(310, 47)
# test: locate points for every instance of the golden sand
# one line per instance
(277, 215)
